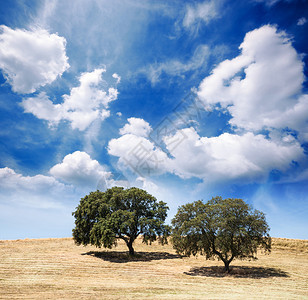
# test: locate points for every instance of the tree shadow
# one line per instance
(123, 256)
(238, 272)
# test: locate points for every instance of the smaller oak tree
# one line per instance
(103, 217)
(223, 228)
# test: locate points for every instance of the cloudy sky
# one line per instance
(186, 99)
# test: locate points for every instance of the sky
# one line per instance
(186, 99)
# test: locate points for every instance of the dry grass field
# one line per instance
(58, 269)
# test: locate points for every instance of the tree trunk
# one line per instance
(130, 248)
(225, 260)
(227, 263)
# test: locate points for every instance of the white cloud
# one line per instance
(85, 103)
(80, 170)
(228, 157)
(231, 157)
(261, 87)
(69, 180)
(43, 108)
(295, 117)
(175, 67)
(301, 21)
(148, 185)
(31, 190)
(117, 77)
(136, 152)
(137, 127)
(89, 100)
(9, 179)
(201, 12)
(117, 182)
(30, 59)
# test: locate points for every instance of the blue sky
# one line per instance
(186, 99)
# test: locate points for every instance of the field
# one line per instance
(58, 269)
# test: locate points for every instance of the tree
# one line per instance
(223, 228)
(103, 217)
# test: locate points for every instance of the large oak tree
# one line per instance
(225, 228)
(102, 218)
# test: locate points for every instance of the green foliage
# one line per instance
(103, 217)
(225, 228)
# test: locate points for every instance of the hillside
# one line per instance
(58, 269)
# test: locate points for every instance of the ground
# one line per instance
(58, 269)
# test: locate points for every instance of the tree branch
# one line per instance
(123, 238)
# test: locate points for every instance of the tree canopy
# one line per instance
(103, 217)
(223, 228)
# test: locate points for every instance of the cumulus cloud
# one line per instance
(200, 12)
(31, 190)
(137, 152)
(175, 67)
(85, 103)
(137, 127)
(9, 179)
(80, 170)
(228, 157)
(76, 175)
(43, 108)
(231, 157)
(261, 88)
(67, 181)
(30, 59)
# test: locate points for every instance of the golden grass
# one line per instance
(291, 245)
(58, 269)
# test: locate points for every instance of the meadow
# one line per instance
(58, 269)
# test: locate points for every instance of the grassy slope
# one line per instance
(56, 268)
